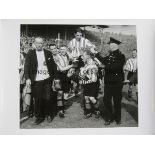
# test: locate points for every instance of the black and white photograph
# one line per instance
(80, 73)
(78, 76)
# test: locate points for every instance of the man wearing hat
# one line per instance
(113, 81)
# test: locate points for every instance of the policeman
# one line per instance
(113, 80)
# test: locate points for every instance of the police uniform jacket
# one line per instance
(114, 63)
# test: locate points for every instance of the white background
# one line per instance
(82, 144)
(145, 42)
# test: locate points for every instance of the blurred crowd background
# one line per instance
(96, 34)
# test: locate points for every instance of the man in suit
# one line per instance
(113, 80)
(40, 69)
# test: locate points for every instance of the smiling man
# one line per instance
(78, 44)
(39, 73)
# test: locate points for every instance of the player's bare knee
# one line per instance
(93, 100)
(60, 95)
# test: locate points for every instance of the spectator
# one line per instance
(130, 69)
